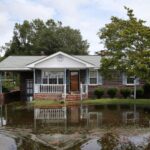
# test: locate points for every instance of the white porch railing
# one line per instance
(83, 90)
(49, 88)
(50, 114)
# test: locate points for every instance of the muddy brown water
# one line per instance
(77, 118)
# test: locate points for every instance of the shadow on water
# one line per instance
(72, 119)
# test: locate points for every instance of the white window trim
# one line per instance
(97, 78)
(127, 80)
(129, 84)
(57, 76)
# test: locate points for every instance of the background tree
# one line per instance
(128, 45)
(32, 38)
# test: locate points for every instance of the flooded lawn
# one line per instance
(82, 127)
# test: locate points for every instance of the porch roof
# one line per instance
(20, 63)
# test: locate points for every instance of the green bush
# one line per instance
(139, 93)
(62, 102)
(112, 92)
(99, 92)
(4, 89)
(125, 92)
(146, 88)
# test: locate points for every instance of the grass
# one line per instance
(103, 101)
(42, 103)
(117, 101)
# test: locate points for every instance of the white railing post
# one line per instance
(86, 88)
(81, 91)
(64, 91)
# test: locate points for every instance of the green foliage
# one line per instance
(125, 92)
(99, 92)
(146, 88)
(37, 36)
(139, 93)
(62, 102)
(128, 46)
(112, 92)
(5, 89)
(109, 141)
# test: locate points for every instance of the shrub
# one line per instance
(99, 93)
(4, 89)
(62, 102)
(139, 93)
(146, 88)
(125, 92)
(112, 92)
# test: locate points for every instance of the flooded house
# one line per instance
(61, 76)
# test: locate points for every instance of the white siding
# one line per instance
(60, 62)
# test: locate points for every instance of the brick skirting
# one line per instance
(54, 96)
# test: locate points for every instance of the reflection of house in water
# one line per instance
(52, 115)
(71, 115)
(130, 117)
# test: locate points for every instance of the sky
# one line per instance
(86, 15)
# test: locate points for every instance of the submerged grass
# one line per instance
(106, 101)
(42, 103)
(103, 101)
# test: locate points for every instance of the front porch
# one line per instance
(61, 84)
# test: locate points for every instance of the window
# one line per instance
(93, 77)
(52, 77)
(130, 80)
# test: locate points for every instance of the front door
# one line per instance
(74, 81)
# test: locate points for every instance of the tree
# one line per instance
(128, 45)
(37, 36)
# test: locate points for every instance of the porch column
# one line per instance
(1, 83)
(87, 80)
(33, 81)
(65, 84)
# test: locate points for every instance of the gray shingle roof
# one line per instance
(20, 62)
(93, 59)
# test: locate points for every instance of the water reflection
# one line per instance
(74, 118)
(82, 116)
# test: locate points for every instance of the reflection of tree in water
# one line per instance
(109, 141)
(28, 144)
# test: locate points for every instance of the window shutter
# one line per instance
(99, 79)
(124, 79)
(137, 81)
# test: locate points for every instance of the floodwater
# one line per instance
(71, 119)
